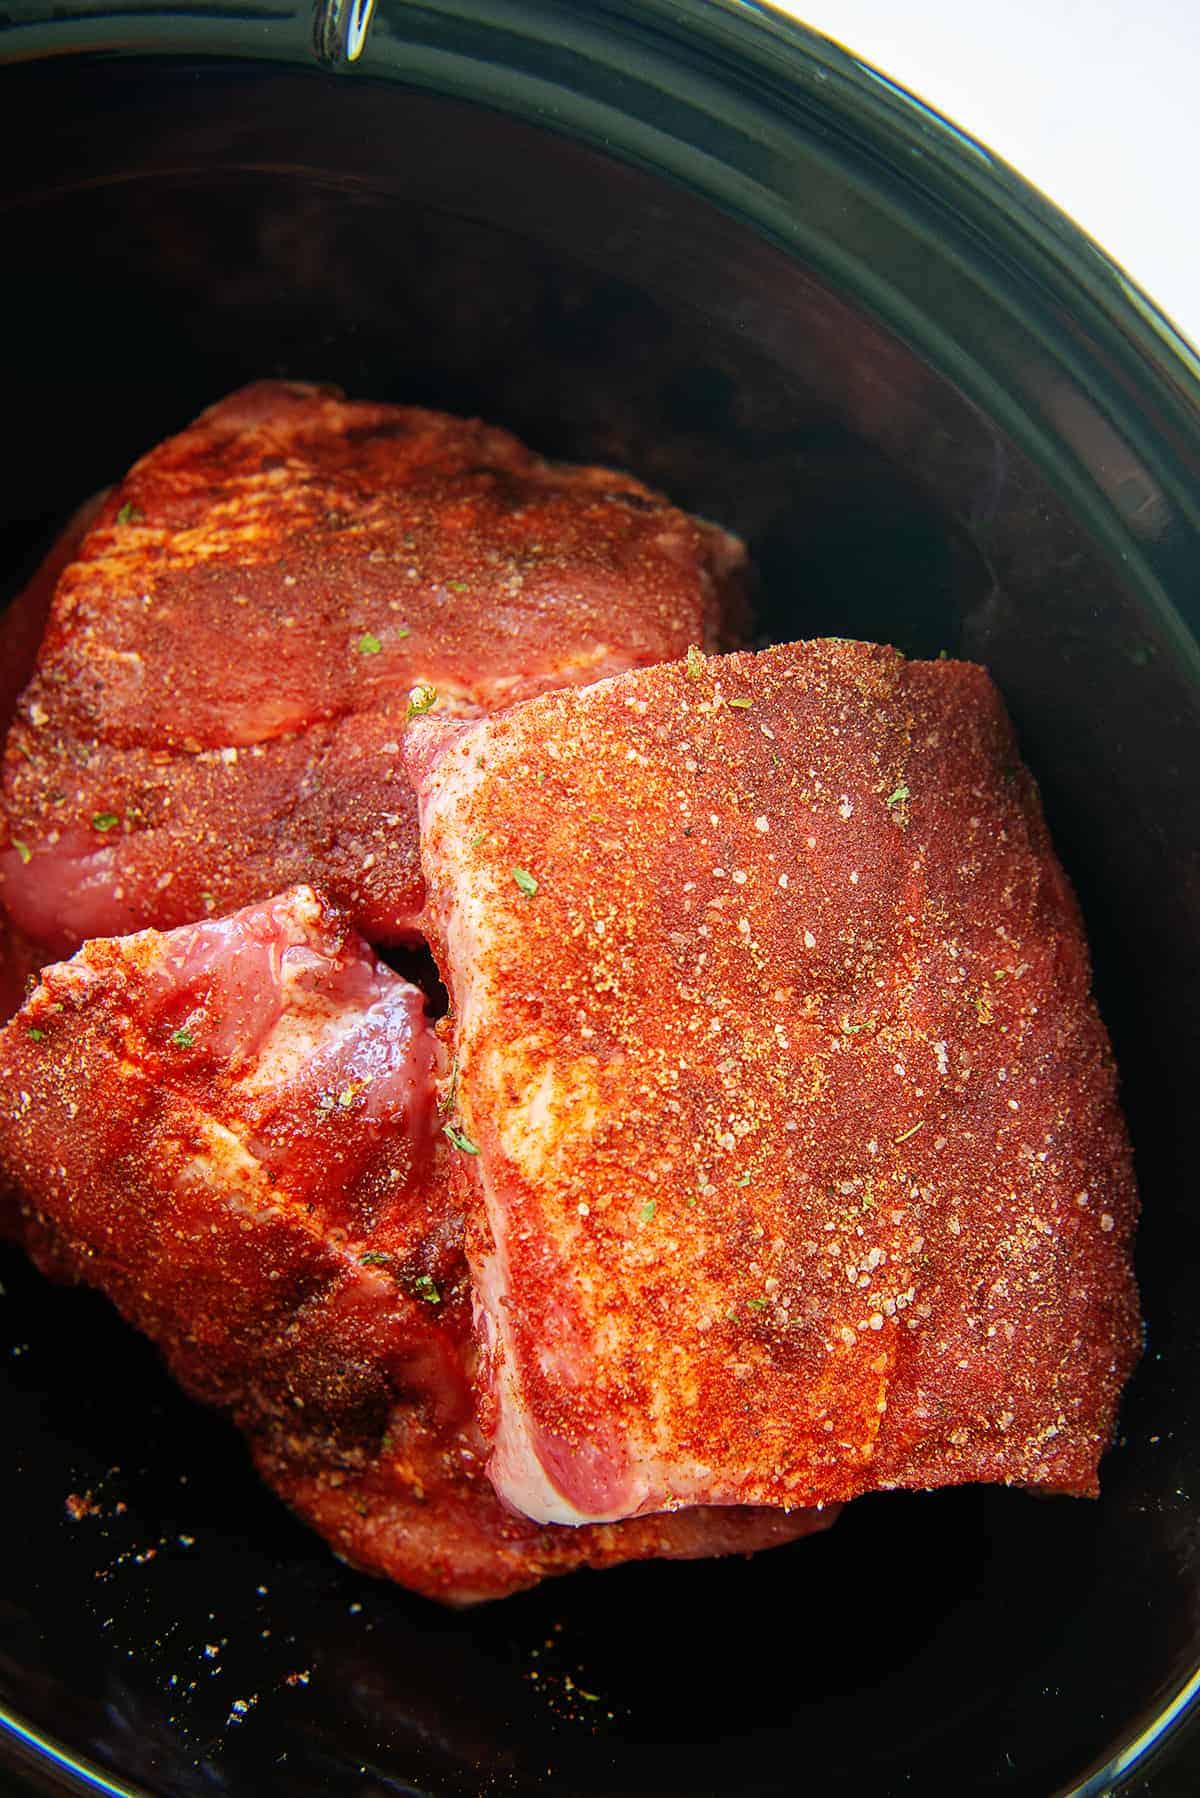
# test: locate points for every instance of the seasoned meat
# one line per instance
(230, 660)
(22, 623)
(231, 1130)
(781, 1087)
(23, 620)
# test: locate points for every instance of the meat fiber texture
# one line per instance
(780, 1090)
(231, 1129)
(231, 656)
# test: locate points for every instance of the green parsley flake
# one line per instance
(35, 1035)
(183, 1039)
(589, 1697)
(422, 699)
(742, 1180)
(757, 1304)
(695, 663)
(375, 1258)
(128, 514)
(899, 796)
(401, 631)
(457, 586)
(525, 881)
(23, 850)
(647, 1211)
(477, 839)
(460, 1139)
(369, 644)
(105, 820)
(741, 705)
(427, 1290)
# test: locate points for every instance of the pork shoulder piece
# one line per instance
(23, 619)
(797, 1129)
(22, 622)
(230, 1130)
(230, 658)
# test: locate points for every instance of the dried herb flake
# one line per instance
(369, 644)
(460, 1139)
(105, 821)
(526, 881)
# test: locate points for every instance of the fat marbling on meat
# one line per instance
(782, 1088)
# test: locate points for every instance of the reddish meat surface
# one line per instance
(792, 1116)
(22, 623)
(225, 679)
(231, 1129)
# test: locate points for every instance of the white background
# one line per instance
(1097, 102)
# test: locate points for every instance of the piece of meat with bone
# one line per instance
(232, 656)
(232, 1130)
(781, 1086)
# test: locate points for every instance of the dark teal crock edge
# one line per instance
(753, 95)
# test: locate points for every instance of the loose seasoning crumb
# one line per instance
(695, 663)
(422, 699)
(80, 1505)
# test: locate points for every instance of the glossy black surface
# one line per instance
(940, 422)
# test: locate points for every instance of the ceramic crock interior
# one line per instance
(186, 227)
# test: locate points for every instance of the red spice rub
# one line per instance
(796, 1124)
(218, 703)
(230, 1130)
